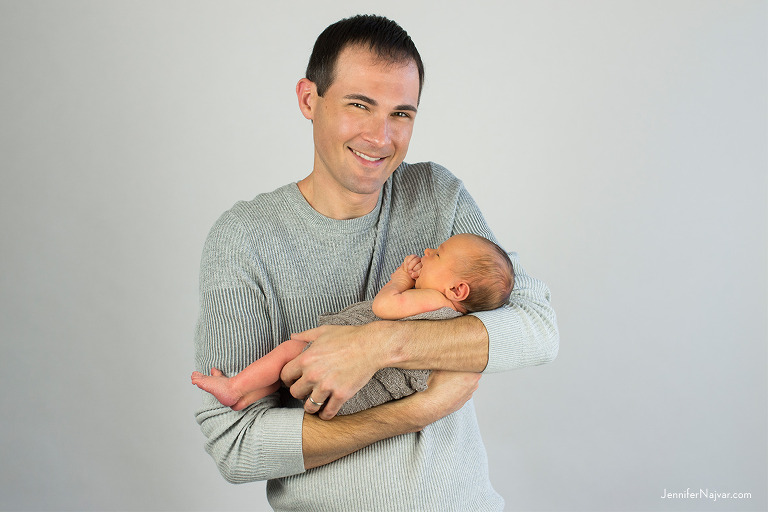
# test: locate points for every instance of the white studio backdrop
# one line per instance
(618, 146)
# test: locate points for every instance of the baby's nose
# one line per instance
(428, 252)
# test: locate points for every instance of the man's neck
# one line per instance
(335, 203)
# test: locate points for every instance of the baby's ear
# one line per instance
(459, 292)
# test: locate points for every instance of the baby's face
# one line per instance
(438, 266)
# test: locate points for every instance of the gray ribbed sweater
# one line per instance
(270, 266)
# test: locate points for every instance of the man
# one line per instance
(271, 265)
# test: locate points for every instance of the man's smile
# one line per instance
(366, 157)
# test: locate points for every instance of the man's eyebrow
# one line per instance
(371, 101)
(410, 108)
(361, 97)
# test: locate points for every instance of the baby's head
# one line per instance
(471, 271)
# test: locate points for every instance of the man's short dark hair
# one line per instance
(382, 36)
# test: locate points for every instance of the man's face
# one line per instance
(363, 123)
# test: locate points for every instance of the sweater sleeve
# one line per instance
(235, 328)
(524, 331)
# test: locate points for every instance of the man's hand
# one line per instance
(340, 361)
(447, 392)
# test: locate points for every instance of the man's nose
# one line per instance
(377, 130)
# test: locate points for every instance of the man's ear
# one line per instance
(306, 92)
(459, 292)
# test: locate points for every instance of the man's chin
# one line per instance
(367, 187)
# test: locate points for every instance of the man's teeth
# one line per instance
(366, 157)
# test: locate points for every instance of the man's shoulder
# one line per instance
(425, 178)
(276, 200)
(422, 171)
(262, 209)
(255, 215)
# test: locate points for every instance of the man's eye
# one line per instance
(402, 114)
(359, 105)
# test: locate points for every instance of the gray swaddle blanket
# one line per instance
(388, 383)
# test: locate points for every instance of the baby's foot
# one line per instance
(252, 396)
(219, 386)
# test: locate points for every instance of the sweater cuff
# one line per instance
(505, 333)
(281, 442)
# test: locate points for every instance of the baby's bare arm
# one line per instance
(394, 306)
(399, 299)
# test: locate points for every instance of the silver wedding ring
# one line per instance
(320, 404)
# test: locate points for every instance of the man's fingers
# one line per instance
(290, 373)
(330, 370)
(313, 403)
(301, 389)
(324, 404)
(308, 335)
(332, 406)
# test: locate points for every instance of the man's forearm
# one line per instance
(324, 441)
(459, 344)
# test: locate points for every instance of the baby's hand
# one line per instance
(412, 266)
